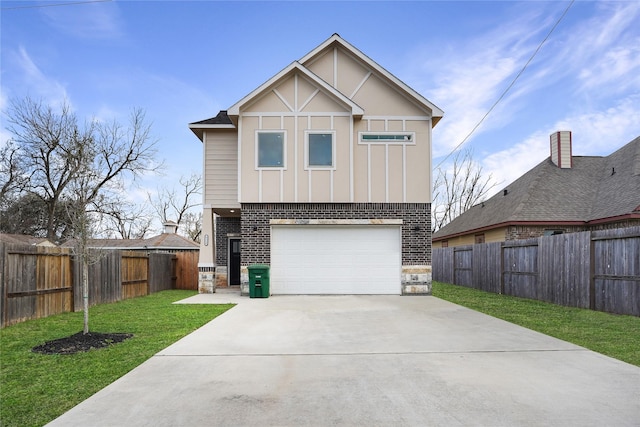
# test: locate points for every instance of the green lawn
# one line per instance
(37, 388)
(610, 334)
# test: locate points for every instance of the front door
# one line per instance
(234, 262)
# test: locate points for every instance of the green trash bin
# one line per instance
(258, 281)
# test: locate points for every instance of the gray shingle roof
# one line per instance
(165, 241)
(221, 119)
(589, 191)
(25, 240)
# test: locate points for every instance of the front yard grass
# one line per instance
(613, 335)
(37, 388)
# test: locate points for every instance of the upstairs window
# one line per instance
(387, 137)
(320, 150)
(270, 149)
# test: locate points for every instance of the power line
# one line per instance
(510, 85)
(55, 4)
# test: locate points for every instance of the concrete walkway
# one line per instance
(365, 361)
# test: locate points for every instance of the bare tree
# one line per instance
(56, 150)
(129, 221)
(12, 174)
(457, 189)
(192, 225)
(176, 204)
(50, 143)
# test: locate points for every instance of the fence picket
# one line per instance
(41, 281)
(591, 269)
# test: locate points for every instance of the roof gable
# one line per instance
(345, 48)
(294, 67)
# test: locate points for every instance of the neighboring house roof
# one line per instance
(25, 240)
(164, 241)
(593, 190)
(225, 119)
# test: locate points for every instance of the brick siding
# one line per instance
(416, 228)
(224, 226)
(517, 232)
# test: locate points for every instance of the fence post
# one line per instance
(592, 272)
(502, 268)
(3, 286)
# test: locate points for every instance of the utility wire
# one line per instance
(55, 4)
(510, 85)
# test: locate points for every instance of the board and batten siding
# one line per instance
(221, 164)
(373, 172)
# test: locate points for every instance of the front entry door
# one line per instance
(234, 262)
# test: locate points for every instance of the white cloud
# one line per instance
(469, 78)
(36, 83)
(593, 134)
(93, 21)
(590, 62)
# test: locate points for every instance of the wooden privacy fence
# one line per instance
(186, 271)
(599, 270)
(40, 281)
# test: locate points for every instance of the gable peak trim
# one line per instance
(234, 110)
(436, 112)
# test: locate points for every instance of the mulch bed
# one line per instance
(80, 342)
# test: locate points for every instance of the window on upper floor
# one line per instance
(479, 238)
(320, 150)
(387, 137)
(270, 149)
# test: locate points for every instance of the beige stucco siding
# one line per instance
(323, 67)
(363, 171)
(221, 163)
(379, 99)
(393, 172)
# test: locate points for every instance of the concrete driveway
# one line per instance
(365, 361)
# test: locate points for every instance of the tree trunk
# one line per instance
(85, 292)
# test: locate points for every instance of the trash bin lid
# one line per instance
(258, 267)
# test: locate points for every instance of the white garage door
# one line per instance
(336, 259)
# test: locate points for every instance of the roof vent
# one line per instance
(505, 192)
(560, 144)
(170, 227)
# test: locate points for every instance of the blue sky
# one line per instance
(184, 61)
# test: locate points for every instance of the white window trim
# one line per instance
(284, 149)
(306, 149)
(388, 141)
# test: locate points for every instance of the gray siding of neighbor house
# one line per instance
(416, 228)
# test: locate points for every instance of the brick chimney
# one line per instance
(561, 154)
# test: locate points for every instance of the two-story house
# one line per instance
(324, 173)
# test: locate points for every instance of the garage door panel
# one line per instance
(335, 260)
